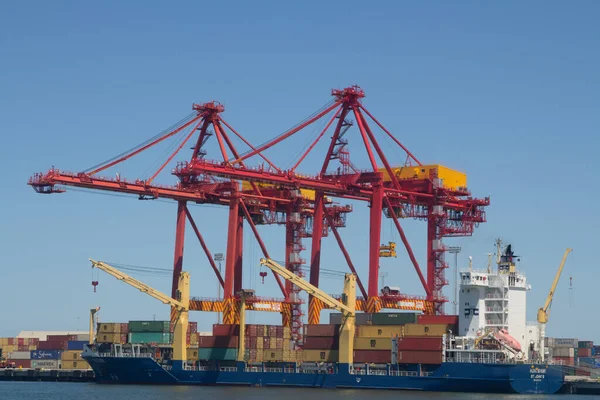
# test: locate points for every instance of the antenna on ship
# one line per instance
(470, 263)
(489, 266)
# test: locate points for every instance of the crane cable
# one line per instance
(164, 132)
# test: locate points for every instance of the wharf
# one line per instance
(581, 385)
(46, 375)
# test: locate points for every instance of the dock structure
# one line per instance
(46, 375)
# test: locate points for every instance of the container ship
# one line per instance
(483, 349)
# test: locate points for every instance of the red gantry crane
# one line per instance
(266, 194)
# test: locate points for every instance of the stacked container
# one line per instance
(71, 359)
(563, 349)
(321, 343)
(9, 345)
(22, 359)
(112, 332)
(46, 359)
(150, 332)
(585, 348)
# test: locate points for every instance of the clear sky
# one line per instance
(508, 92)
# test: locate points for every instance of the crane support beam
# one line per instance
(204, 247)
(374, 243)
(315, 257)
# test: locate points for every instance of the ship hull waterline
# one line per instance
(449, 377)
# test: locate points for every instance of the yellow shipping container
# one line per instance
(75, 365)
(320, 355)
(193, 340)
(363, 343)
(451, 179)
(192, 354)
(371, 331)
(425, 329)
(112, 338)
(32, 347)
(71, 355)
(260, 344)
(9, 348)
(273, 355)
(109, 327)
(287, 332)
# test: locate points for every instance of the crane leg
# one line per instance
(229, 316)
(373, 303)
(314, 305)
(178, 256)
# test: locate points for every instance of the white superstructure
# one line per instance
(493, 300)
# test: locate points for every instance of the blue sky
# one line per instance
(507, 92)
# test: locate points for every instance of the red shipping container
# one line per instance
(266, 343)
(33, 341)
(207, 342)
(251, 330)
(226, 330)
(321, 343)
(22, 363)
(124, 328)
(420, 343)
(251, 342)
(272, 331)
(23, 347)
(566, 360)
(11, 341)
(52, 345)
(438, 319)
(279, 332)
(419, 357)
(193, 327)
(321, 330)
(21, 341)
(65, 338)
(372, 356)
(584, 352)
(260, 330)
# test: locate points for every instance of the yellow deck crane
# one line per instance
(347, 306)
(544, 312)
(181, 304)
(93, 317)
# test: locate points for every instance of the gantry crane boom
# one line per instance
(347, 307)
(544, 312)
(181, 304)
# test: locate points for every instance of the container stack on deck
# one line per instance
(149, 332)
(112, 332)
(321, 343)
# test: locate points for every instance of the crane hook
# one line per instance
(94, 284)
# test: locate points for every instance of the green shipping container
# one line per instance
(393, 318)
(217, 353)
(149, 326)
(149, 337)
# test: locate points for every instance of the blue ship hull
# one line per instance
(448, 377)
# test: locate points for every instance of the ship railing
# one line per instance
(377, 372)
(358, 372)
(253, 369)
(205, 368)
(289, 370)
(425, 373)
(403, 373)
(125, 355)
(272, 369)
(228, 369)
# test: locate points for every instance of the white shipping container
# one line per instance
(83, 337)
(562, 343)
(20, 355)
(48, 364)
(563, 352)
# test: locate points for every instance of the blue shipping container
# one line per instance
(46, 354)
(76, 344)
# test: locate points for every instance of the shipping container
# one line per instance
(78, 364)
(149, 326)
(373, 344)
(563, 352)
(217, 353)
(272, 331)
(109, 327)
(192, 327)
(21, 363)
(250, 342)
(419, 357)
(19, 355)
(266, 343)
(360, 318)
(112, 338)
(272, 343)
(585, 344)
(273, 355)
(561, 342)
(321, 330)
(565, 360)
(287, 332)
(585, 352)
(393, 318)
(149, 337)
(59, 338)
(279, 331)
(192, 354)
(205, 342)
(45, 354)
(438, 319)
(83, 337)
(424, 330)
(226, 330)
(420, 343)
(320, 355)
(379, 330)
(372, 356)
(52, 345)
(251, 331)
(76, 345)
(46, 364)
(72, 355)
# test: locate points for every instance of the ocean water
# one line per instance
(93, 391)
